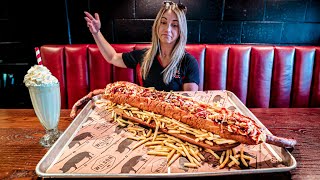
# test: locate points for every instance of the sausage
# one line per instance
(279, 141)
(227, 124)
(83, 100)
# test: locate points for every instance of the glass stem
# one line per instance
(52, 132)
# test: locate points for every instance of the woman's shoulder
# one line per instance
(137, 53)
(142, 51)
(188, 58)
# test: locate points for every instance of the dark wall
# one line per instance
(27, 24)
(24, 25)
(295, 22)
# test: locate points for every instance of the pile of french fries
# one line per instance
(161, 144)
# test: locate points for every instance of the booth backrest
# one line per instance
(261, 76)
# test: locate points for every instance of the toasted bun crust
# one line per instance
(198, 115)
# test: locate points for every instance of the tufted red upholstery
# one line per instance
(261, 76)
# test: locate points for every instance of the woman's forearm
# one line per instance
(105, 48)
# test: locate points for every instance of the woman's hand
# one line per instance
(93, 23)
(190, 87)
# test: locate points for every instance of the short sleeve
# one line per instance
(192, 70)
(132, 58)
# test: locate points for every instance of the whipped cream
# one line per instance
(39, 75)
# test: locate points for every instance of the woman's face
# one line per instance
(169, 27)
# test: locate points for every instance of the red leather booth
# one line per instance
(261, 76)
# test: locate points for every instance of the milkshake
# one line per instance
(44, 92)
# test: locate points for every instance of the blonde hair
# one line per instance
(179, 47)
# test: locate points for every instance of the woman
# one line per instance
(166, 65)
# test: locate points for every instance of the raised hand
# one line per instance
(93, 23)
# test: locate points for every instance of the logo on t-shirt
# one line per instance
(177, 74)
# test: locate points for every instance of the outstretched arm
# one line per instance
(107, 51)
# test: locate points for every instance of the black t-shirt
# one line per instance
(187, 73)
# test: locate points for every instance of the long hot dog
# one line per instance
(199, 115)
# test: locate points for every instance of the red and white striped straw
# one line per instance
(38, 55)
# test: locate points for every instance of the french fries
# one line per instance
(160, 144)
(173, 126)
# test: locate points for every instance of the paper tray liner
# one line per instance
(102, 147)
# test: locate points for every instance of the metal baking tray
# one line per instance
(91, 147)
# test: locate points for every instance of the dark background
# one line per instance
(27, 24)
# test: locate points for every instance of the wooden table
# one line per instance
(20, 132)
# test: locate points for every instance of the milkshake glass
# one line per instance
(44, 92)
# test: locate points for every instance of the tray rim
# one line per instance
(89, 107)
(63, 135)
